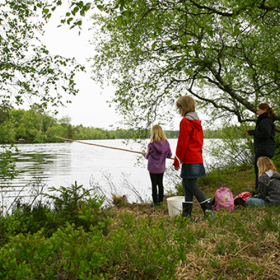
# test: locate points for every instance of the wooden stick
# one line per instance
(100, 145)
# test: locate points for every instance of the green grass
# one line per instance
(134, 241)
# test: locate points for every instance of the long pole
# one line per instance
(100, 145)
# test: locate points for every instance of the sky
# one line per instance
(89, 107)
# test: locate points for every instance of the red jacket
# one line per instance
(190, 142)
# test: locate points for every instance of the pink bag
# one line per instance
(223, 199)
(241, 198)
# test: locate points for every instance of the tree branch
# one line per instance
(214, 11)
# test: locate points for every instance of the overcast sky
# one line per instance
(89, 107)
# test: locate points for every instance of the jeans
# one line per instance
(252, 201)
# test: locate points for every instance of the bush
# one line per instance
(78, 206)
(75, 205)
(230, 150)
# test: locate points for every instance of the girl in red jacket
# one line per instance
(189, 154)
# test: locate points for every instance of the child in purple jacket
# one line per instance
(158, 151)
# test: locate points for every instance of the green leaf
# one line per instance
(127, 13)
(120, 20)
(236, 31)
(74, 11)
(69, 20)
(153, 35)
(87, 6)
(210, 33)
(168, 42)
(184, 40)
(81, 4)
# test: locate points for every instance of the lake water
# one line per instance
(61, 164)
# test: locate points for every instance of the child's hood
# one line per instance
(272, 175)
(161, 146)
(193, 117)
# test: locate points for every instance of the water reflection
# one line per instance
(61, 164)
(67, 161)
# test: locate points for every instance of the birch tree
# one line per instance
(28, 72)
(224, 53)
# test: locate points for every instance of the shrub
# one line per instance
(75, 205)
(78, 206)
(234, 148)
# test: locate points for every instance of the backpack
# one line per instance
(241, 198)
(223, 199)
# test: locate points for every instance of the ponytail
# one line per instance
(270, 111)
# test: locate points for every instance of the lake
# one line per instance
(61, 164)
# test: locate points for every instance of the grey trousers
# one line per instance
(191, 189)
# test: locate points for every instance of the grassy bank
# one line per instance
(80, 240)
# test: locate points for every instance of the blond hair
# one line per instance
(185, 104)
(157, 134)
(265, 164)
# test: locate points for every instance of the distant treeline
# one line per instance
(231, 132)
(34, 126)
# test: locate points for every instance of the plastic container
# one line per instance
(175, 205)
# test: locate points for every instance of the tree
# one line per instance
(28, 72)
(225, 53)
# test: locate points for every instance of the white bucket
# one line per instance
(175, 205)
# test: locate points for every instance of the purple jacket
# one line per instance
(158, 152)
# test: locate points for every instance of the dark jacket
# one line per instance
(269, 188)
(264, 136)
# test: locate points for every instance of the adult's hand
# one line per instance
(177, 167)
(250, 132)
